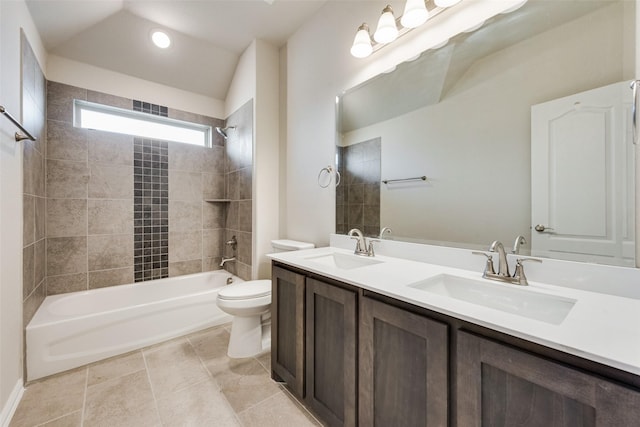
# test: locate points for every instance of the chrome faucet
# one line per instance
(384, 230)
(520, 240)
(361, 246)
(503, 275)
(225, 260)
(503, 265)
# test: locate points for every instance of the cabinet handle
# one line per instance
(634, 110)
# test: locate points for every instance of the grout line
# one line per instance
(153, 393)
(84, 399)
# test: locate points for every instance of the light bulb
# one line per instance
(160, 39)
(415, 14)
(446, 3)
(361, 47)
(387, 30)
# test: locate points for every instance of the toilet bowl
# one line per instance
(248, 303)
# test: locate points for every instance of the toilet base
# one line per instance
(249, 337)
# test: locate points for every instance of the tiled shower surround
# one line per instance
(358, 195)
(150, 209)
(100, 222)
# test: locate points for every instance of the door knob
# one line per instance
(541, 228)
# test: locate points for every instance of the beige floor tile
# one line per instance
(265, 361)
(280, 410)
(200, 405)
(72, 420)
(115, 367)
(173, 366)
(244, 382)
(50, 399)
(123, 401)
(211, 345)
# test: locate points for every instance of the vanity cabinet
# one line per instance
(403, 367)
(287, 328)
(331, 352)
(502, 386)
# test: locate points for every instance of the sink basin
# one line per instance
(507, 298)
(343, 261)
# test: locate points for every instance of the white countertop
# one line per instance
(600, 327)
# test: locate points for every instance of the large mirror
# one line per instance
(519, 127)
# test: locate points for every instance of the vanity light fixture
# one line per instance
(415, 14)
(160, 39)
(387, 30)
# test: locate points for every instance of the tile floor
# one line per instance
(187, 381)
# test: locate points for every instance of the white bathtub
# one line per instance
(74, 329)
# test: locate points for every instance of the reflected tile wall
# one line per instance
(358, 195)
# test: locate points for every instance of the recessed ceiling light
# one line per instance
(160, 39)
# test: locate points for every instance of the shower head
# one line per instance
(223, 131)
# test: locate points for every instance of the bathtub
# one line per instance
(74, 329)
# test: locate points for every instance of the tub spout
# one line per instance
(225, 260)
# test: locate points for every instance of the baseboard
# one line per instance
(11, 404)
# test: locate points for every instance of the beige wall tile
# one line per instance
(233, 186)
(60, 93)
(110, 148)
(110, 182)
(110, 251)
(181, 268)
(243, 271)
(245, 215)
(33, 302)
(67, 179)
(214, 159)
(124, 401)
(213, 186)
(185, 216)
(28, 270)
(244, 247)
(232, 216)
(111, 100)
(40, 261)
(185, 246)
(211, 264)
(52, 398)
(104, 278)
(66, 255)
(60, 112)
(186, 157)
(41, 217)
(66, 283)
(185, 186)
(213, 215)
(110, 216)
(66, 142)
(212, 243)
(244, 183)
(66, 217)
(28, 220)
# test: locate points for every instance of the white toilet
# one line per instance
(249, 303)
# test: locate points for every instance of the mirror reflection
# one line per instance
(521, 127)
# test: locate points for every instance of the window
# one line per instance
(89, 115)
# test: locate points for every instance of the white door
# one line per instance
(582, 176)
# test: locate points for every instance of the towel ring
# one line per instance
(329, 171)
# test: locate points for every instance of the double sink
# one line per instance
(508, 298)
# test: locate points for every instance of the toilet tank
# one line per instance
(290, 245)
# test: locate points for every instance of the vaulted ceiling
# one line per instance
(208, 36)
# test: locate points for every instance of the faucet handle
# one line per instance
(370, 250)
(518, 275)
(488, 268)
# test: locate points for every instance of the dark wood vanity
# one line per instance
(358, 358)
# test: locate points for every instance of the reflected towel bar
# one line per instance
(18, 136)
(418, 178)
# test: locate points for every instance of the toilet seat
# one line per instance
(252, 289)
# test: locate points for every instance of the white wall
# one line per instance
(474, 167)
(13, 16)
(319, 67)
(87, 76)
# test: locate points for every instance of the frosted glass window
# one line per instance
(88, 115)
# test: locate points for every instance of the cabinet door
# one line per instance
(501, 386)
(287, 328)
(403, 368)
(331, 352)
